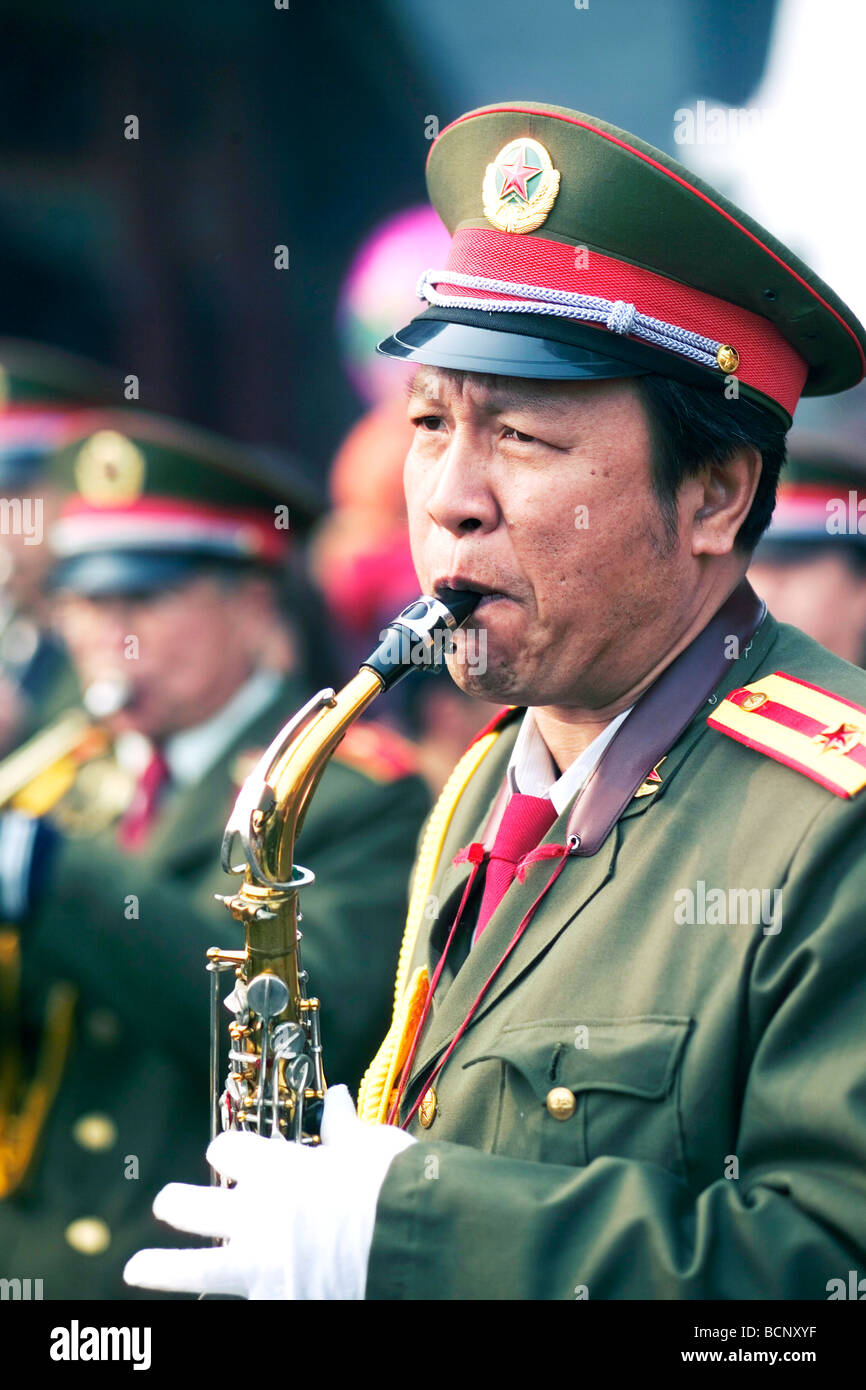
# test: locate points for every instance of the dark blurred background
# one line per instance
(258, 127)
(261, 126)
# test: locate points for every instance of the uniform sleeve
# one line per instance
(456, 1223)
(132, 939)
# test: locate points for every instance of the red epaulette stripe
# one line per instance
(785, 760)
(379, 751)
(800, 725)
(768, 362)
(498, 719)
(793, 719)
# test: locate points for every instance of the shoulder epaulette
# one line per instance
(800, 725)
(498, 722)
(378, 751)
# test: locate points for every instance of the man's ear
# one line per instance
(269, 637)
(721, 499)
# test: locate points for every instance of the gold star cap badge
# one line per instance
(109, 469)
(520, 186)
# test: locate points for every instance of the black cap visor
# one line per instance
(117, 573)
(470, 340)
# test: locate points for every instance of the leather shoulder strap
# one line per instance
(657, 720)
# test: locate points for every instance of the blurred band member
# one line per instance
(811, 564)
(172, 553)
(39, 388)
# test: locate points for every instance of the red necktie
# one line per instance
(141, 812)
(524, 825)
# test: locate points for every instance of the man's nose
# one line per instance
(113, 620)
(462, 500)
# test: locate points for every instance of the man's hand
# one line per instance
(299, 1223)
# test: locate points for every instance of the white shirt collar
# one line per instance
(192, 753)
(532, 771)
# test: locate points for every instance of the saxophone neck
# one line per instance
(295, 773)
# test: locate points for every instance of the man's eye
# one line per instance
(428, 423)
(512, 433)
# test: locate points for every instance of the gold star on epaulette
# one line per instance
(839, 740)
(798, 724)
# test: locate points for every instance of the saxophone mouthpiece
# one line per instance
(419, 637)
(461, 603)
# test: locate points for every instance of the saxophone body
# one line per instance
(276, 1083)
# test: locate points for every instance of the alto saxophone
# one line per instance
(276, 1083)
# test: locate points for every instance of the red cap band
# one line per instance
(169, 523)
(768, 363)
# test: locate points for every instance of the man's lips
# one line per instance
(488, 599)
(489, 593)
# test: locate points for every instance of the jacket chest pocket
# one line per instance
(572, 1092)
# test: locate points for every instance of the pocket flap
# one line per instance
(635, 1056)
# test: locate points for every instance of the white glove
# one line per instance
(299, 1223)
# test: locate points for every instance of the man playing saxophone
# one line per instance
(171, 579)
(628, 1059)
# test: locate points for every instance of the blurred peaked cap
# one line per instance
(621, 261)
(169, 498)
(813, 501)
(39, 385)
(834, 455)
(35, 374)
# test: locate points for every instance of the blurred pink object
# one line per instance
(361, 554)
(378, 297)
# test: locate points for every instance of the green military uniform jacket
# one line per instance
(717, 1145)
(140, 1053)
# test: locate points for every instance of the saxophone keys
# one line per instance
(267, 995)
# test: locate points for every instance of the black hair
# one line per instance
(691, 427)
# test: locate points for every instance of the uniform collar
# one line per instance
(191, 753)
(531, 769)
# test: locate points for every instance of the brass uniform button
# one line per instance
(728, 358)
(754, 700)
(95, 1132)
(102, 1027)
(427, 1110)
(88, 1235)
(561, 1103)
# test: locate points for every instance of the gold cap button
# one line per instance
(88, 1235)
(427, 1109)
(95, 1132)
(728, 358)
(561, 1103)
